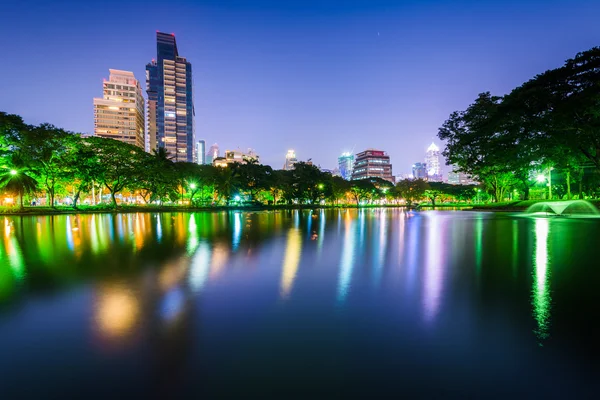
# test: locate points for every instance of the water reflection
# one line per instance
(347, 260)
(117, 310)
(291, 261)
(434, 267)
(541, 291)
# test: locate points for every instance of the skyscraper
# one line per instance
(290, 160)
(372, 163)
(212, 153)
(170, 100)
(432, 159)
(346, 165)
(200, 152)
(419, 171)
(119, 114)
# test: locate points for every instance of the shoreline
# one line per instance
(64, 210)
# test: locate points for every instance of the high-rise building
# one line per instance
(201, 152)
(119, 114)
(419, 171)
(212, 154)
(460, 178)
(372, 163)
(290, 160)
(432, 159)
(170, 100)
(345, 165)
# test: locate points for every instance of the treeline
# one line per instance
(45, 161)
(544, 133)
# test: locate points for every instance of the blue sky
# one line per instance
(321, 77)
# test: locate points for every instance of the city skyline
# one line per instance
(358, 81)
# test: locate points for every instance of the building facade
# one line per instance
(432, 159)
(212, 154)
(119, 114)
(346, 165)
(236, 156)
(170, 100)
(290, 160)
(201, 152)
(372, 163)
(419, 171)
(460, 178)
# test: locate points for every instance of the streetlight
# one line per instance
(321, 186)
(13, 172)
(192, 186)
(541, 178)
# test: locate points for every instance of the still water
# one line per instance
(303, 304)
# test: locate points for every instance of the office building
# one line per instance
(345, 165)
(212, 154)
(456, 177)
(119, 114)
(201, 152)
(419, 171)
(372, 163)
(236, 156)
(432, 159)
(290, 160)
(170, 101)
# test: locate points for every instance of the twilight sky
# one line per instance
(321, 77)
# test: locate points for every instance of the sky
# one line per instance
(320, 77)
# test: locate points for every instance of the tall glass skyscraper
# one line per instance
(170, 100)
(346, 165)
(200, 152)
(432, 159)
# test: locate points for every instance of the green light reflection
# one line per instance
(540, 289)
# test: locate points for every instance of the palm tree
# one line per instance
(18, 183)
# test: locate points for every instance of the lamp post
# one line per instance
(13, 172)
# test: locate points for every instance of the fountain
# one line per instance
(579, 208)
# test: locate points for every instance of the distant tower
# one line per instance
(432, 159)
(119, 114)
(213, 152)
(290, 160)
(346, 165)
(201, 152)
(419, 171)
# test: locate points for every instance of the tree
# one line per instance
(411, 190)
(478, 142)
(119, 164)
(45, 151)
(18, 183)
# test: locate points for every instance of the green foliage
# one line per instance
(553, 120)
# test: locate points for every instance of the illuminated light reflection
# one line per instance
(347, 260)
(434, 268)
(193, 238)
(220, 254)
(540, 292)
(69, 232)
(200, 267)
(171, 304)
(117, 311)
(291, 261)
(515, 248)
(478, 244)
(172, 274)
(237, 230)
(158, 228)
(380, 254)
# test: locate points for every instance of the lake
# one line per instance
(299, 304)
